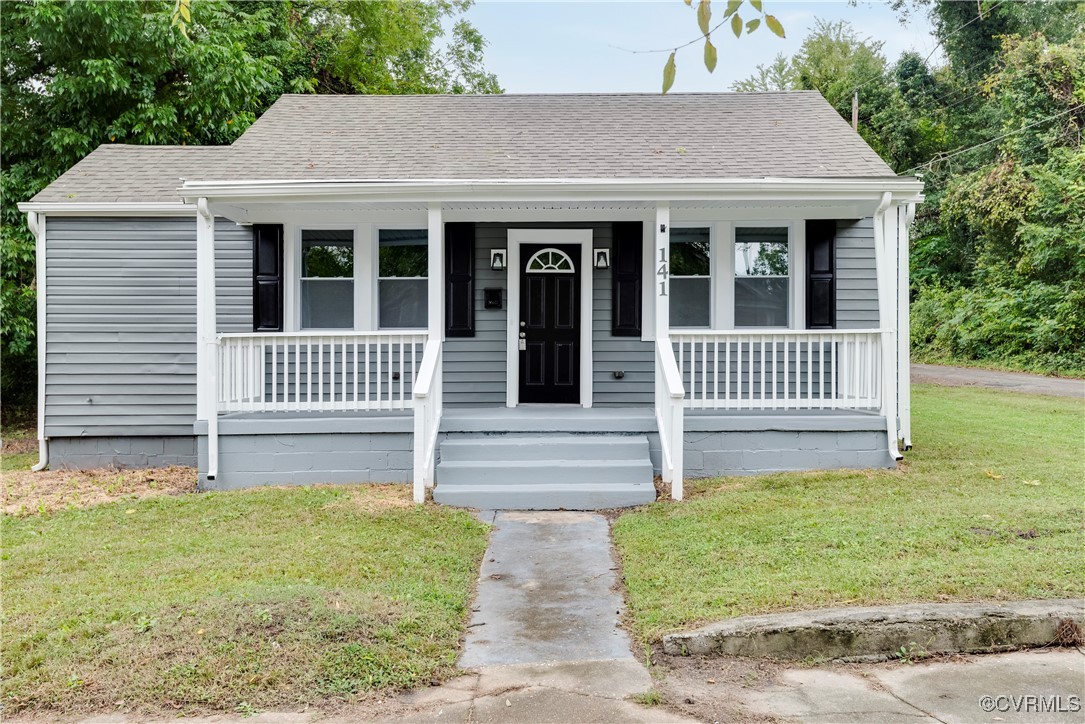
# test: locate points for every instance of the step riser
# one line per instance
(540, 473)
(565, 449)
(523, 498)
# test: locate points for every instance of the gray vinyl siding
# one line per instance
(475, 367)
(856, 275)
(121, 321)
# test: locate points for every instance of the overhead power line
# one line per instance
(997, 138)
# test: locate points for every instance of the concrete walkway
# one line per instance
(995, 380)
(544, 643)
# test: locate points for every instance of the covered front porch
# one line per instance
(718, 378)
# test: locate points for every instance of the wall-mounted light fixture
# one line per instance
(497, 259)
(602, 258)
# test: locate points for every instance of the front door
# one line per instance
(549, 337)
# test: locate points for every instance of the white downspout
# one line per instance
(887, 317)
(36, 224)
(904, 329)
(206, 343)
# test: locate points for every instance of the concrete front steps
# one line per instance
(544, 472)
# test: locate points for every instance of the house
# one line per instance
(527, 300)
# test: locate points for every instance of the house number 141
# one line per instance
(662, 272)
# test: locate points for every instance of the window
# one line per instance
(402, 268)
(327, 279)
(761, 277)
(691, 277)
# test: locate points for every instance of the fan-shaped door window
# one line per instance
(553, 261)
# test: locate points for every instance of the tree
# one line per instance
(78, 74)
(777, 76)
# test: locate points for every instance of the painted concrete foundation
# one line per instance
(275, 450)
(86, 453)
(758, 444)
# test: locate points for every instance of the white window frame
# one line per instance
(794, 288)
(713, 266)
(295, 271)
(374, 260)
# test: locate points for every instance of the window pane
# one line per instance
(689, 252)
(403, 253)
(403, 303)
(327, 304)
(761, 302)
(327, 253)
(691, 302)
(760, 252)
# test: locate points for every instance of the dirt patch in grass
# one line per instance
(375, 498)
(28, 493)
(705, 687)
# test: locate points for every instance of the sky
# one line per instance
(583, 47)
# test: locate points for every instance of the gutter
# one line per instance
(904, 189)
(36, 224)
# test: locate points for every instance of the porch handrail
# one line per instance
(427, 418)
(767, 369)
(669, 396)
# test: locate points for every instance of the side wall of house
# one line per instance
(120, 354)
(474, 367)
(856, 275)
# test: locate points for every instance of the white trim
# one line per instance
(36, 223)
(516, 237)
(551, 250)
(724, 282)
(111, 208)
(649, 189)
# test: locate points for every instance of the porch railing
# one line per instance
(792, 369)
(311, 371)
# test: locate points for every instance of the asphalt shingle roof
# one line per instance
(793, 134)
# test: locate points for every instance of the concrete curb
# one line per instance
(886, 632)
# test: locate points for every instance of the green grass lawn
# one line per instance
(989, 505)
(233, 601)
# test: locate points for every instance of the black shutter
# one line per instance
(625, 267)
(460, 280)
(267, 278)
(820, 274)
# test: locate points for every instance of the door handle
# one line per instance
(522, 335)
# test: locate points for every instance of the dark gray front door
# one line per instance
(550, 324)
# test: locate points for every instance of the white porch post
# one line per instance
(904, 327)
(661, 261)
(428, 398)
(436, 279)
(886, 258)
(206, 344)
(669, 397)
